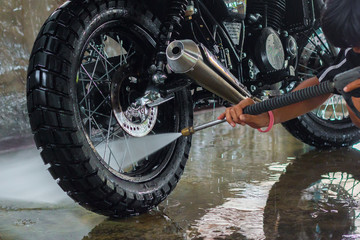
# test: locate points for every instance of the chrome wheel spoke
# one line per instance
(112, 135)
(306, 74)
(322, 42)
(105, 138)
(92, 82)
(333, 109)
(311, 62)
(101, 54)
(98, 95)
(311, 69)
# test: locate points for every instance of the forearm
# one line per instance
(235, 114)
(292, 111)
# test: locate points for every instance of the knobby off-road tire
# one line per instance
(60, 63)
(321, 133)
(329, 125)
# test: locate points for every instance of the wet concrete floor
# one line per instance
(238, 184)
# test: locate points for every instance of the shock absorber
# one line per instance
(177, 11)
(170, 29)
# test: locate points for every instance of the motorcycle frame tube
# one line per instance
(203, 10)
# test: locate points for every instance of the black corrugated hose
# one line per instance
(291, 98)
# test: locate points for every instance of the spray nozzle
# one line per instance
(188, 131)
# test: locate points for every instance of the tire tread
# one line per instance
(52, 116)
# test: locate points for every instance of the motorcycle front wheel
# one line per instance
(88, 66)
(329, 125)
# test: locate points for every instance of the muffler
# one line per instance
(185, 57)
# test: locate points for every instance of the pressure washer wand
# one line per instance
(191, 130)
(273, 103)
(335, 86)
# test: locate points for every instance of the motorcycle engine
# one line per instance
(272, 11)
(271, 52)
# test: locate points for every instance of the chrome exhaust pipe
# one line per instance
(185, 57)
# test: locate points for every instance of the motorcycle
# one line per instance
(104, 72)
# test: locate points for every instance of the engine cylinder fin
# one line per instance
(272, 9)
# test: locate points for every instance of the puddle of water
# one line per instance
(222, 193)
(246, 185)
(161, 227)
(34, 221)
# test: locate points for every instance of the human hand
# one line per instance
(352, 86)
(234, 115)
(355, 108)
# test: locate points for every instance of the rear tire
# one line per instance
(59, 59)
(329, 125)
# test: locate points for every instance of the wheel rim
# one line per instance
(112, 65)
(316, 55)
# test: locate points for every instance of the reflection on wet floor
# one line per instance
(238, 184)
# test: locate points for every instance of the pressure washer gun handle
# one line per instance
(343, 79)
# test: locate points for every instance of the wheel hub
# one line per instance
(137, 120)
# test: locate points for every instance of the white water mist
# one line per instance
(131, 150)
